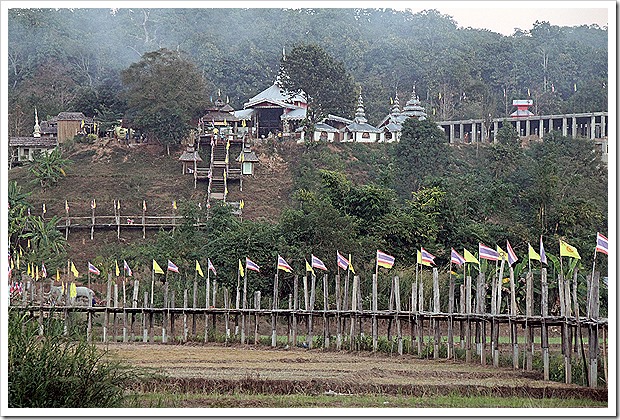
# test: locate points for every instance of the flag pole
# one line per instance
(152, 283)
(207, 285)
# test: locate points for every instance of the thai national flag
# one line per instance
(128, 271)
(342, 261)
(93, 269)
(172, 267)
(512, 257)
(602, 244)
(250, 265)
(211, 267)
(427, 256)
(456, 258)
(384, 260)
(487, 253)
(316, 263)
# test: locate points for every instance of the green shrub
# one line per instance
(53, 370)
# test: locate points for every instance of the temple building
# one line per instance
(391, 125)
(359, 130)
(24, 149)
(273, 111)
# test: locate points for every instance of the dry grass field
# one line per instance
(216, 375)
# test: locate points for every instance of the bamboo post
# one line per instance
(185, 328)
(544, 309)
(238, 299)
(414, 309)
(512, 323)
(114, 332)
(346, 306)
(420, 318)
(399, 331)
(295, 308)
(172, 319)
(136, 284)
(274, 308)
(92, 220)
(244, 304)
(124, 311)
(194, 306)
(145, 333)
(164, 323)
(579, 332)
(353, 313)
(257, 307)
(375, 332)
(107, 308)
(214, 304)
(67, 220)
(207, 290)
(436, 309)
(462, 311)
(480, 309)
(310, 337)
(338, 308)
(226, 314)
(325, 309)
(117, 216)
(144, 221)
(593, 330)
(565, 331)
(288, 320)
(450, 315)
(529, 298)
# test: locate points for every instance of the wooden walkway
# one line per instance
(341, 322)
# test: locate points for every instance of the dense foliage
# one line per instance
(70, 59)
(56, 370)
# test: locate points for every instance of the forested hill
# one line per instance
(70, 59)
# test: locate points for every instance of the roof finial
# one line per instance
(36, 133)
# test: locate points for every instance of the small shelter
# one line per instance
(190, 158)
(70, 124)
(247, 158)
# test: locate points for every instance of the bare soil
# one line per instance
(216, 368)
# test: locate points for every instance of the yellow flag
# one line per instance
(28, 244)
(228, 145)
(57, 274)
(242, 157)
(351, 264)
(174, 204)
(157, 268)
(118, 272)
(18, 261)
(44, 209)
(242, 123)
(198, 269)
(66, 206)
(28, 271)
(240, 269)
(469, 258)
(502, 255)
(74, 270)
(225, 123)
(241, 205)
(12, 264)
(309, 267)
(72, 291)
(420, 260)
(568, 251)
(36, 271)
(531, 254)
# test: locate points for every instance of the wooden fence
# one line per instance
(342, 321)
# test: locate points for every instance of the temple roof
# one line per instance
(73, 116)
(47, 142)
(248, 156)
(276, 95)
(190, 155)
(295, 114)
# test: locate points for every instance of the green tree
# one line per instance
(48, 168)
(327, 85)
(422, 152)
(165, 91)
